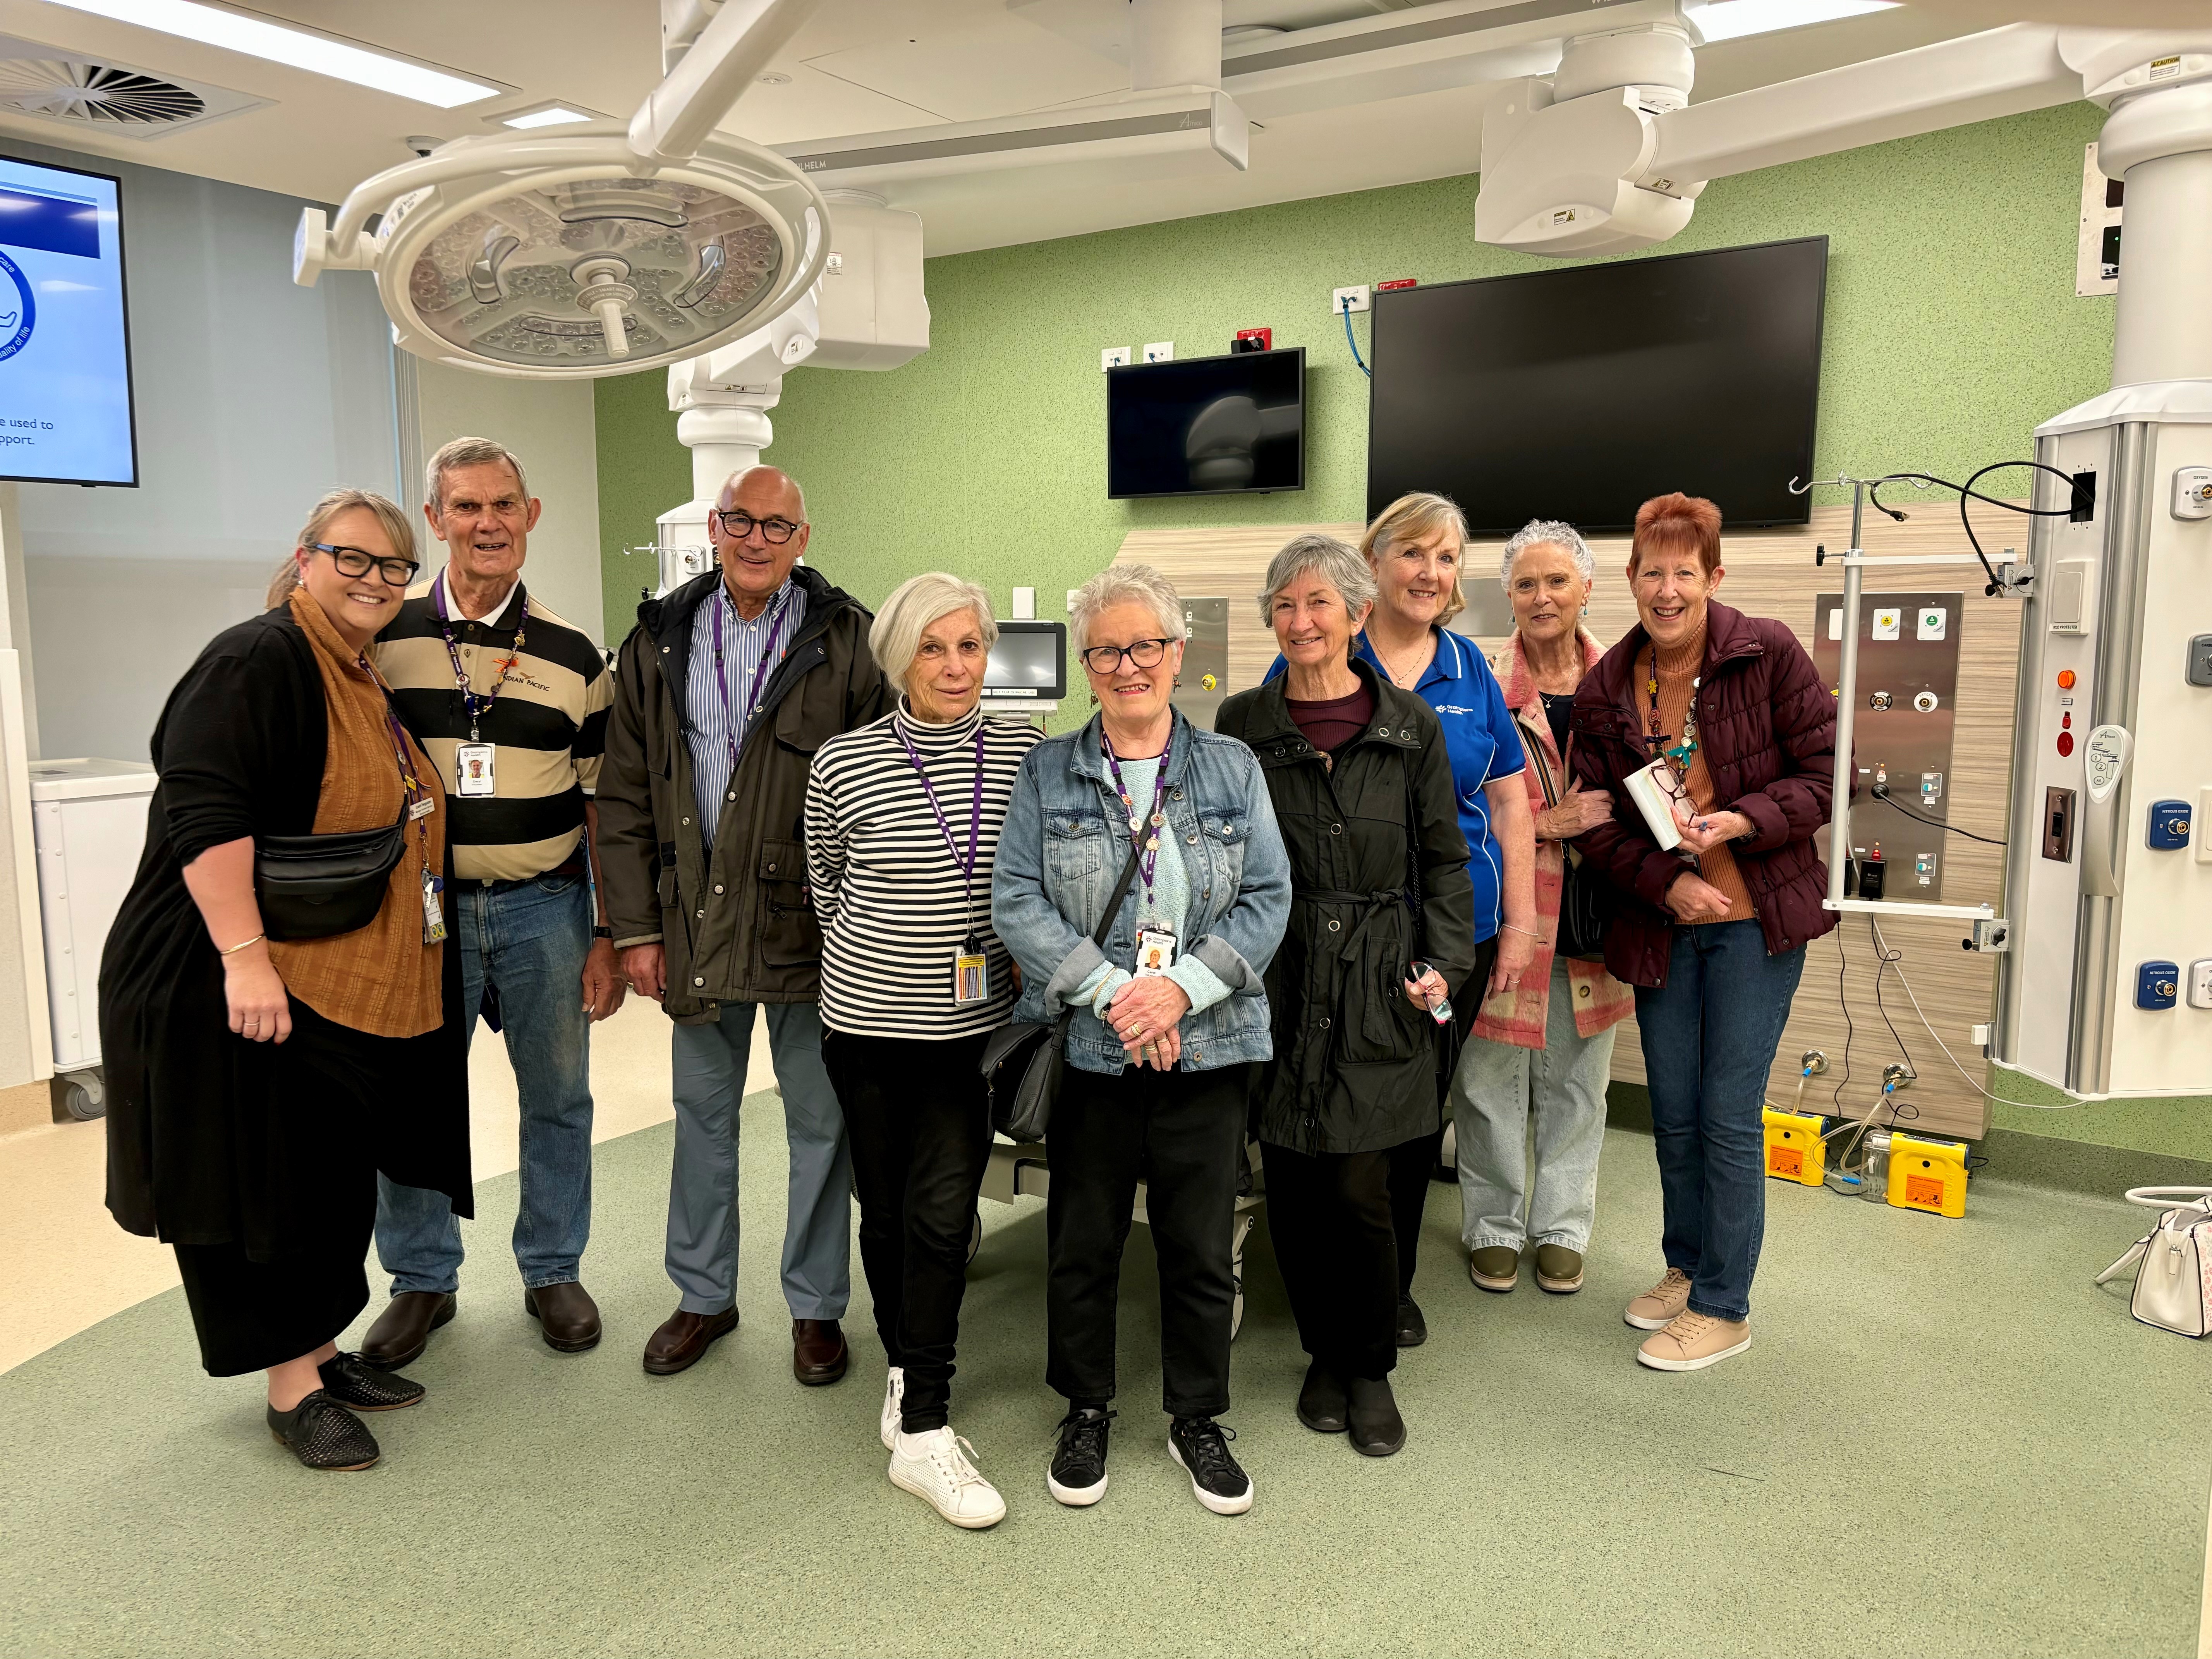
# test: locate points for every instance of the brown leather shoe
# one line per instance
(817, 1350)
(682, 1340)
(566, 1314)
(402, 1330)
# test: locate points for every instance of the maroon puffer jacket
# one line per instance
(1767, 726)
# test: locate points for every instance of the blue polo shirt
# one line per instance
(1484, 746)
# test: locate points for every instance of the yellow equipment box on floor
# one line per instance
(1924, 1174)
(1795, 1150)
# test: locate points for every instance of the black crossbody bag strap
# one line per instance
(1114, 902)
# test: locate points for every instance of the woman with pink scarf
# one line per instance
(1546, 1046)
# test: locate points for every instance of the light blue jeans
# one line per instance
(1506, 1198)
(528, 941)
(702, 1188)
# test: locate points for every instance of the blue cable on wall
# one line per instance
(1346, 312)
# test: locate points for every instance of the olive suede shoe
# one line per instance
(1494, 1268)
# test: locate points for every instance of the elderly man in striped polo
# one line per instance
(510, 704)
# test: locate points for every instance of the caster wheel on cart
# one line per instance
(82, 1096)
(975, 1237)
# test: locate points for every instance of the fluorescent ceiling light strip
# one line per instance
(1731, 20)
(295, 48)
(558, 115)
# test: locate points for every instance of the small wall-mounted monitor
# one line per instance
(65, 414)
(1207, 426)
(1029, 664)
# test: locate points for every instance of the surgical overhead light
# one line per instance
(295, 48)
(597, 247)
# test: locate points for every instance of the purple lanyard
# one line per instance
(411, 789)
(974, 814)
(1150, 844)
(474, 706)
(741, 717)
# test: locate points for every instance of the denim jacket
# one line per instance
(1065, 842)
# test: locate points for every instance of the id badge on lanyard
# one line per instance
(1156, 950)
(433, 911)
(474, 772)
(971, 974)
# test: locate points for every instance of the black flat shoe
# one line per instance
(1412, 1328)
(365, 1389)
(1376, 1429)
(324, 1435)
(1321, 1401)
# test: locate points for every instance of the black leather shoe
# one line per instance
(817, 1350)
(1321, 1401)
(402, 1330)
(566, 1314)
(365, 1389)
(1377, 1431)
(1412, 1328)
(324, 1435)
(683, 1338)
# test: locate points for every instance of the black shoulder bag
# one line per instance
(318, 886)
(1023, 1060)
(1586, 904)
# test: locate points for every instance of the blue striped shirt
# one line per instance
(715, 720)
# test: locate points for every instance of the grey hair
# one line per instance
(1327, 557)
(895, 638)
(1538, 533)
(467, 452)
(1125, 584)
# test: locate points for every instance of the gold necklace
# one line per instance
(1397, 676)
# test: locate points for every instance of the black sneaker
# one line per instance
(323, 1434)
(1077, 1475)
(1200, 1445)
(1412, 1328)
(347, 1380)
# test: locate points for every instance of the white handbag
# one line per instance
(2173, 1285)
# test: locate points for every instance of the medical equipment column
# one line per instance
(1847, 680)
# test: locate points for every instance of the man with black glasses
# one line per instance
(725, 689)
(510, 704)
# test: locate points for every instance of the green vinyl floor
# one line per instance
(1944, 1442)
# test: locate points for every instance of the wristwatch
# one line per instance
(603, 932)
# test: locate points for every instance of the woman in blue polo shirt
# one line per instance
(1415, 548)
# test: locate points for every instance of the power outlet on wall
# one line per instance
(1358, 299)
(1113, 357)
(1160, 351)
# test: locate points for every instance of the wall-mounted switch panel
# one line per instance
(1350, 299)
(2193, 492)
(2200, 982)
(2169, 826)
(1113, 357)
(2200, 660)
(1160, 351)
(2158, 984)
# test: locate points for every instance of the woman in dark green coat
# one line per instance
(1362, 788)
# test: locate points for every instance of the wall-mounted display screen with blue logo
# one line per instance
(64, 334)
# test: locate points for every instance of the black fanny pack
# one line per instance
(317, 886)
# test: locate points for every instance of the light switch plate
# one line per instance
(1887, 620)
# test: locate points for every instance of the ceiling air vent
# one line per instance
(50, 85)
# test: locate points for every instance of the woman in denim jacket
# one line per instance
(1159, 1056)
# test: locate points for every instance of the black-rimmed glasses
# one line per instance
(356, 561)
(1106, 658)
(737, 524)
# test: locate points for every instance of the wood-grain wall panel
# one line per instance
(1772, 573)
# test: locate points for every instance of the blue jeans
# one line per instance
(528, 941)
(1709, 1038)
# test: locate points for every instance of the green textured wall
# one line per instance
(1952, 328)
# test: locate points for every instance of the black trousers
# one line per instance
(1180, 1131)
(1414, 1164)
(1332, 1217)
(250, 1314)
(922, 1135)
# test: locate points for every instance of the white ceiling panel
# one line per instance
(816, 104)
(977, 70)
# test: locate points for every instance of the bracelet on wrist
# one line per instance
(1524, 932)
(234, 950)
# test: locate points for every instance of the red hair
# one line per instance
(1669, 525)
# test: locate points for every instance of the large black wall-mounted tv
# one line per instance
(1579, 393)
(1207, 426)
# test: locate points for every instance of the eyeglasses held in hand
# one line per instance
(737, 524)
(356, 562)
(1106, 658)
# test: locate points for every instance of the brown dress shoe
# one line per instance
(402, 1330)
(817, 1352)
(566, 1314)
(682, 1340)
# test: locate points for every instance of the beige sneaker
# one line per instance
(1693, 1341)
(1651, 1311)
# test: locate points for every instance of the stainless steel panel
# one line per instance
(1205, 678)
(1907, 690)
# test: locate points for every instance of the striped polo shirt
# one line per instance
(548, 722)
(888, 889)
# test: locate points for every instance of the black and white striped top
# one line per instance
(888, 888)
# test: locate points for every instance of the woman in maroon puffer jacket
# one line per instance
(1712, 934)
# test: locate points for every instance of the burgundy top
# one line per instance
(1330, 724)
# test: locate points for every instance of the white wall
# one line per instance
(548, 424)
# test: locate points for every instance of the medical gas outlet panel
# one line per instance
(2109, 869)
(1908, 685)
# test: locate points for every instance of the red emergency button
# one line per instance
(2065, 742)
(2065, 679)
(2066, 722)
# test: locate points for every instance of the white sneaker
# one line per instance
(935, 1467)
(893, 1400)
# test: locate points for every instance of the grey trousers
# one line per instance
(703, 1189)
(1507, 1197)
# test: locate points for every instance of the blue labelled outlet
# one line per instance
(2169, 826)
(2157, 984)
